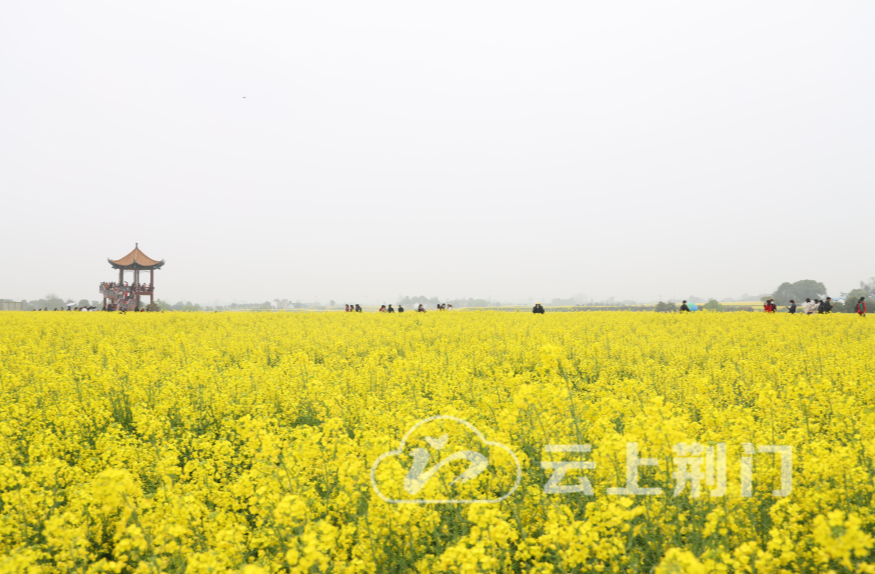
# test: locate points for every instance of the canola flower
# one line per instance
(245, 442)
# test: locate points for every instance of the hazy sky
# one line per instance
(360, 150)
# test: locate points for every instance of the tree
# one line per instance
(164, 305)
(83, 303)
(663, 307)
(714, 305)
(52, 301)
(851, 300)
(799, 291)
(407, 300)
(331, 303)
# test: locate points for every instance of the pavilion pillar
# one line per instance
(151, 286)
(136, 289)
(121, 276)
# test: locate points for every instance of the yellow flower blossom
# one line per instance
(212, 443)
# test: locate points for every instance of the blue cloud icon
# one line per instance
(419, 473)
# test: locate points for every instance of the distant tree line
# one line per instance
(52, 302)
(797, 291)
(457, 303)
(422, 299)
(663, 307)
(711, 305)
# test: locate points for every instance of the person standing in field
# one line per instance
(358, 308)
(861, 307)
(421, 309)
(827, 305)
(808, 306)
(538, 309)
(684, 308)
(400, 308)
(382, 309)
(792, 308)
(390, 309)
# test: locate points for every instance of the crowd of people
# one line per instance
(150, 307)
(815, 307)
(818, 306)
(140, 287)
(356, 308)
(69, 308)
(421, 308)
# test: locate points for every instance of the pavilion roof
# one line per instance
(136, 259)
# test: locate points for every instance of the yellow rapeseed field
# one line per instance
(248, 442)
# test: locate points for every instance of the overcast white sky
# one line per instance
(360, 150)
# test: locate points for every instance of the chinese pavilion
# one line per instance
(122, 296)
